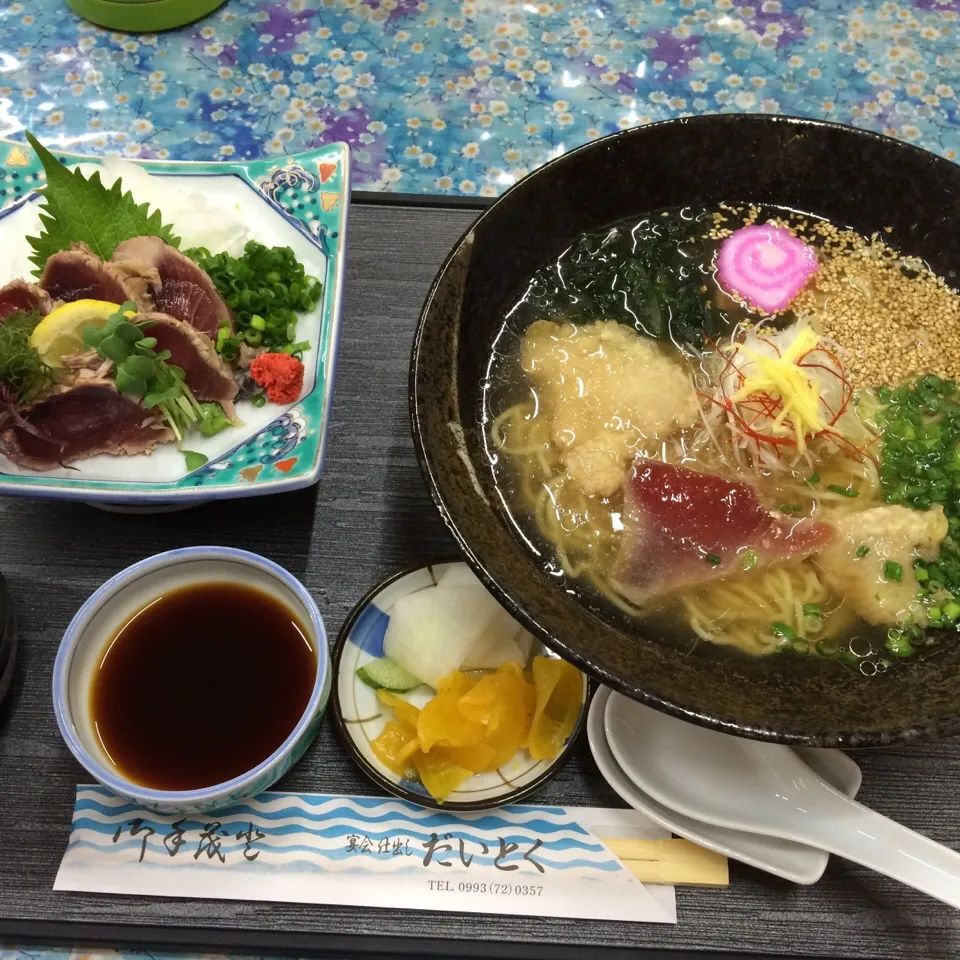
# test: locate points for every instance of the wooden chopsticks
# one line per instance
(673, 861)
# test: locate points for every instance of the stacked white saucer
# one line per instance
(616, 754)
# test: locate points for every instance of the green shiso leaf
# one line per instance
(81, 209)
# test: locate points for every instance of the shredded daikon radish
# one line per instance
(194, 219)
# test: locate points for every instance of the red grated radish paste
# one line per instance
(765, 265)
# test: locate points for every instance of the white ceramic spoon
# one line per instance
(766, 788)
(792, 861)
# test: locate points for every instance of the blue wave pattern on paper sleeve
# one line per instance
(297, 830)
(391, 810)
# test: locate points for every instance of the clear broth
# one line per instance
(550, 295)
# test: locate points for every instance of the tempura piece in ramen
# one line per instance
(685, 527)
(856, 563)
(605, 389)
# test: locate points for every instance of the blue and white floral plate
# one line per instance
(361, 717)
(300, 201)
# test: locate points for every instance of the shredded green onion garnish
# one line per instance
(783, 631)
(266, 288)
(843, 491)
(892, 571)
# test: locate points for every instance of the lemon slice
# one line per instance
(60, 332)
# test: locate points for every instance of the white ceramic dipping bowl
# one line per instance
(112, 606)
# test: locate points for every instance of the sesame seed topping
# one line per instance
(894, 316)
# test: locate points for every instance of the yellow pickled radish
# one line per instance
(476, 758)
(510, 719)
(477, 724)
(406, 753)
(440, 773)
(442, 723)
(457, 683)
(480, 703)
(392, 747)
(559, 693)
(402, 709)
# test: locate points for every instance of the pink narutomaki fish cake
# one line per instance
(685, 527)
(765, 265)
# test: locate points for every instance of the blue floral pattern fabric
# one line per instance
(463, 97)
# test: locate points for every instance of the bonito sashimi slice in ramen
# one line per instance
(684, 527)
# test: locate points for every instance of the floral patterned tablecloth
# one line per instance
(465, 96)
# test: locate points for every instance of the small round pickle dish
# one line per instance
(360, 716)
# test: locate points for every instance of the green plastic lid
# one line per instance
(143, 16)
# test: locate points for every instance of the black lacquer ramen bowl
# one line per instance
(849, 176)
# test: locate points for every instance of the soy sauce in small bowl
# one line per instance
(233, 671)
(194, 679)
